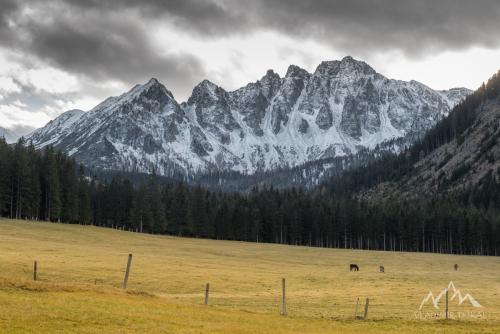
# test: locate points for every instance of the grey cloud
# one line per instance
(98, 44)
(21, 130)
(413, 27)
(105, 38)
(210, 18)
(7, 8)
(33, 99)
(111, 49)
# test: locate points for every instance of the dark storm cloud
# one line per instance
(110, 48)
(208, 17)
(7, 7)
(411, 26)
(99, 44)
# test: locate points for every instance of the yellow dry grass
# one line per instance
(81, 269)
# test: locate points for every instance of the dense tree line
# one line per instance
(42, 185)
(46, 185)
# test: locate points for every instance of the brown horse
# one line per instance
(353, 267)
(455, 267)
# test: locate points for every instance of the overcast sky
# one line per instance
(57, 55)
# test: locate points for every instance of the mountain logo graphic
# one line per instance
(455, 294)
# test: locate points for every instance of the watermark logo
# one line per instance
(455, 295)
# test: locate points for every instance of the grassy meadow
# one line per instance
(81, 268)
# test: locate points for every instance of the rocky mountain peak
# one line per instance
(153, 81)
(329, 67)
(270, 79)
(153, 89)
(348, 65)
(206, 93)
(270, 75)
(208, 85)
(270, 84)
(295, 71)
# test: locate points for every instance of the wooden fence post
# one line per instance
(207, 291)
(366, 308)
(283, 297)
(127, 271)
(34, 271)
(446, 310)
(356, 308)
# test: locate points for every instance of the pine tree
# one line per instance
(5, 177)
(84, 203)
(141, 216)
(69, 190)
(52, 193)
(159, 221)
(197, 220)
(32, 207)
(178, 210)
(20, 180)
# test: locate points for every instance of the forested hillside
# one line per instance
(465, 141)
(47, 185)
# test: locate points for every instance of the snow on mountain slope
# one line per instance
(275, 122)
(56, 129)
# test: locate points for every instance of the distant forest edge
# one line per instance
(47, 185)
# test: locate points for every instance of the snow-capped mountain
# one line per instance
(275, 122)
(56, 128)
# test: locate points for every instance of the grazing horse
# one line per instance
(353, 267)
(455, 267)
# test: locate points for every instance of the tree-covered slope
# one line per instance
(460, 152)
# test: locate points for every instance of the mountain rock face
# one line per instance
(465, 161)
(275, 122)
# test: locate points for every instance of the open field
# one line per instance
(81, 271)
